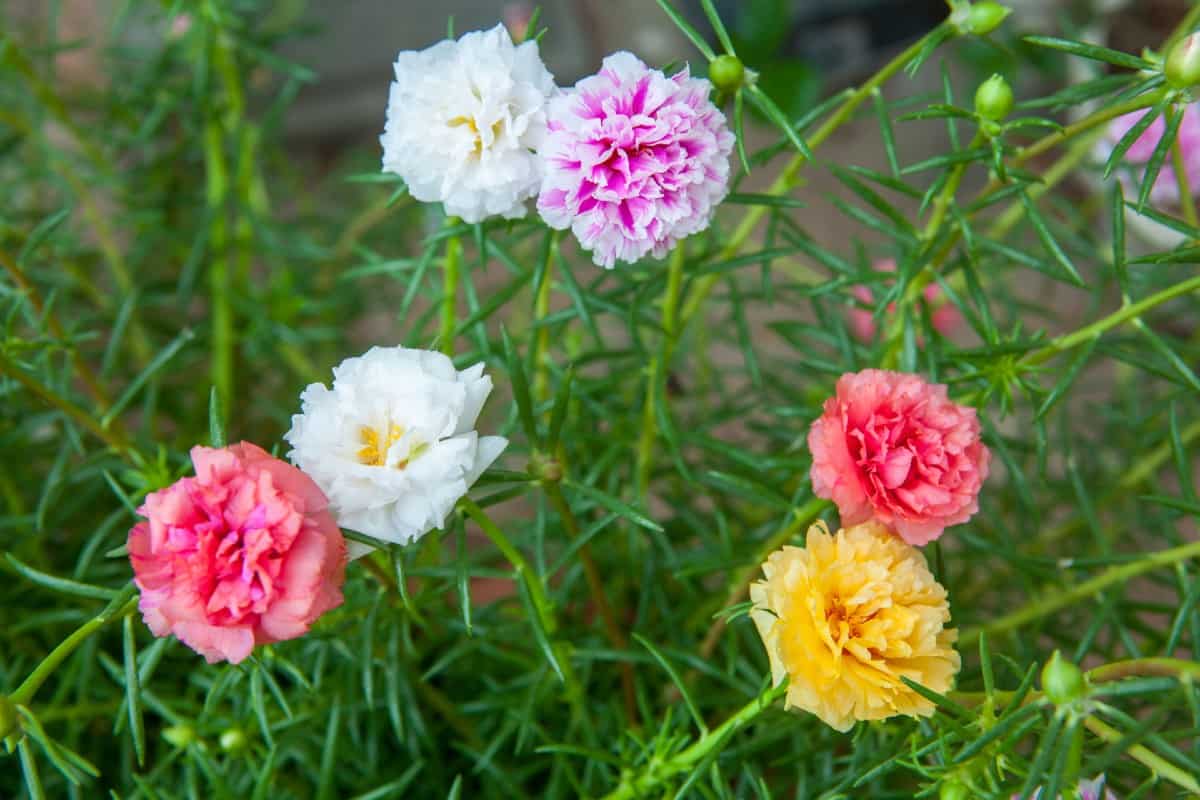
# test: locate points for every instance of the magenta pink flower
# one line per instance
(1166, 187)
(894, 448)
(945, 315)
(243, 554)
(635, 161)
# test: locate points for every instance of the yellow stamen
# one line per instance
(373, 454)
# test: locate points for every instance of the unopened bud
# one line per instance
(1182, 66)
(953, 789)
(994, 98)
(727, 73)
(179, 735)
(983, 18)
(1062, 681)
(232, 740)
(546, 468)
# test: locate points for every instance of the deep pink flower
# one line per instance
(944, 315)
(892, 447)
(243, 554)
(635, 161)
(1166, 187)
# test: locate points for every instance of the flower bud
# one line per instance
(727, 73)
(994, 98)
(232, 740)
(8, 716)
(953, 789)
(983, 18)
(546, 468)
(180, 735)
(1062, 681)
(1182, 66)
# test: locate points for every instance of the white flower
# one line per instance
(393, 442)
(463, 121)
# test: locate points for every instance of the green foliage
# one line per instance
(171, 273)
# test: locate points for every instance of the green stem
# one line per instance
(945, 197)
(123, 604)
(450, 270)
(657, 365)
(541, 342)
(1117, 318)
(1144, 755)
(537, 593)
(112, 437)
(220, 287)
(787, 177)
(1153, 667)
(710, 743)
(1081, 591)
(612, 630)
(1186, 200)
(801, 518)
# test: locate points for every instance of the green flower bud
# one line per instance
(8, 716)
(994, 98)
(1182, 66)
(1062, 681)
(983, 18)
(727, 73)
(546, 468)
(233, 740)
(180, 735)
(952, 789)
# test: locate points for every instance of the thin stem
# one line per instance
(123, 604)
(1081, 591)
(537, 593)
(612, 630)
(1144, 755)
(1186, 200)
(113, 438)
(787, 177)
(643, 784)
(541, 342)
(450, 270)
(657, 365)
(801, 518)
(90, 381)
(1153, 667)
(1117, 318)
(219, 284)
(945, 197)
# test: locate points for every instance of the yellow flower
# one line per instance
(849, 615)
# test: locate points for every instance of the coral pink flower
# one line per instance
(635, 161)
(1166, 187)
(243, 554)
(944, 315)
(894, 448)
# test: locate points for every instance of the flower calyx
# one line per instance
(1181, 67)
(1063, 682)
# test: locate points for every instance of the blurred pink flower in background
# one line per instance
(1087, 790)
(896, 448)
(516, 18)
(635, 161)
(1166, 187)
(243, 554)
(945, 316)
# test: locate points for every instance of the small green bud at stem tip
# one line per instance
(951, 789)
(994, 99)
(983, 18)
(727, 73)
(1182, 67)
(232, 740)
(179, 735)
(1062, 681)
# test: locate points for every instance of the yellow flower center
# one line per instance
(471, 124)
(374, 451)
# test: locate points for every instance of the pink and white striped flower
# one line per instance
(635, 160)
